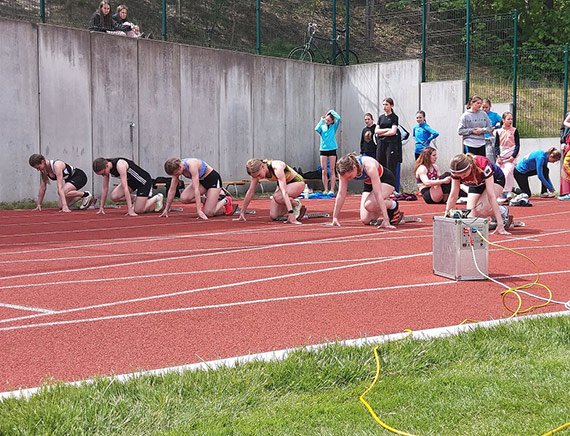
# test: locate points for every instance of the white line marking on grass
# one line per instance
(30, 309)
(278, 355)
(209, 288)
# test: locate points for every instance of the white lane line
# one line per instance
(240, 303)
(214, 288)
(205, 271)
(26, 308)
(277, 355)
(225, 251)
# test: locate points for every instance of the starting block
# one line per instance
(406, 219)
(308, 215)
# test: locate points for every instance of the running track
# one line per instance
(83, 295)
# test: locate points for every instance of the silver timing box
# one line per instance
(452, 255)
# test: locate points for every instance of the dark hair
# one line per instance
(105, 21)
(504, 117)
(554, 152)
(99, 164)
(36, 159)
(172, 165)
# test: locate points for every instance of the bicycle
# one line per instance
(306, 52)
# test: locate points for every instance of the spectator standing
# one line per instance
(423, 134)
(389, 148)
(367, 145)
(326, 128)
(496, 123)
(507, 146)
(473, 125)
(565, 169)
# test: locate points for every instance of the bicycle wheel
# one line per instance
(341, 60)
(301, 54)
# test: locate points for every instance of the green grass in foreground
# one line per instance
(510, 380)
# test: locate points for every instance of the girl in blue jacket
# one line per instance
(327, 127)
(423, 134)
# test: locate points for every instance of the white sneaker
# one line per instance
(462, 200)
(86, 201)
(159, 202)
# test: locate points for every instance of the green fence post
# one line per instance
(565, 79)
(43, 11)
(164, 20)
(258, 25)
(515, 69)
(424, 21)
(467, 25)
(347, 33)
(333, 18)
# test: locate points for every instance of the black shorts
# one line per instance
(388, 178)
(141, 189)
(328, 153)
(77, 179)
(426, 194)
(212, 180)
(481, 188)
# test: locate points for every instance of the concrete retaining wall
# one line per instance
(76, 95)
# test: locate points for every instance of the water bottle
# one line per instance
(306, 191)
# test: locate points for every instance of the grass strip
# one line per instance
(512, 379)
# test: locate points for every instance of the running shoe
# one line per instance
(228, 206)
(507, 219)
(395, 215)
(297, 209)
(302, 212)
(86, 201)
(547, 194)
(159, 202)
(564, 197)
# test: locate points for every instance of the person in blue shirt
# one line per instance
(327, 127)
(536, 164)
(423, 134)
(496, 124)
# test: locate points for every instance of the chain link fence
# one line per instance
(379, 32)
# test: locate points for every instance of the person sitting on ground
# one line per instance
(205, 181)
(102, 21)
(133, 179)
(434, 189)
(290, 184)
(536, 164)
(379, 182)
(69, 182)
(120, 17)
(485, 181)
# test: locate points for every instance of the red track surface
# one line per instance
(84, 294)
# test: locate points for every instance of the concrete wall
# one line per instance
(77, 95)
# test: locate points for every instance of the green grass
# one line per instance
(510, 380)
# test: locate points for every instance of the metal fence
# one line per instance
(405, 29)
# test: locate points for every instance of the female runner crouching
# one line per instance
(378, 181)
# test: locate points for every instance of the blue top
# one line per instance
(328, 140)
(536, 161)
(423, 134)
(495, 121)
(201, 172)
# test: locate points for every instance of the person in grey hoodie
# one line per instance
(473, 125)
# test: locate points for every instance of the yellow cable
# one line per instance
(386, 426)
(514, 290)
